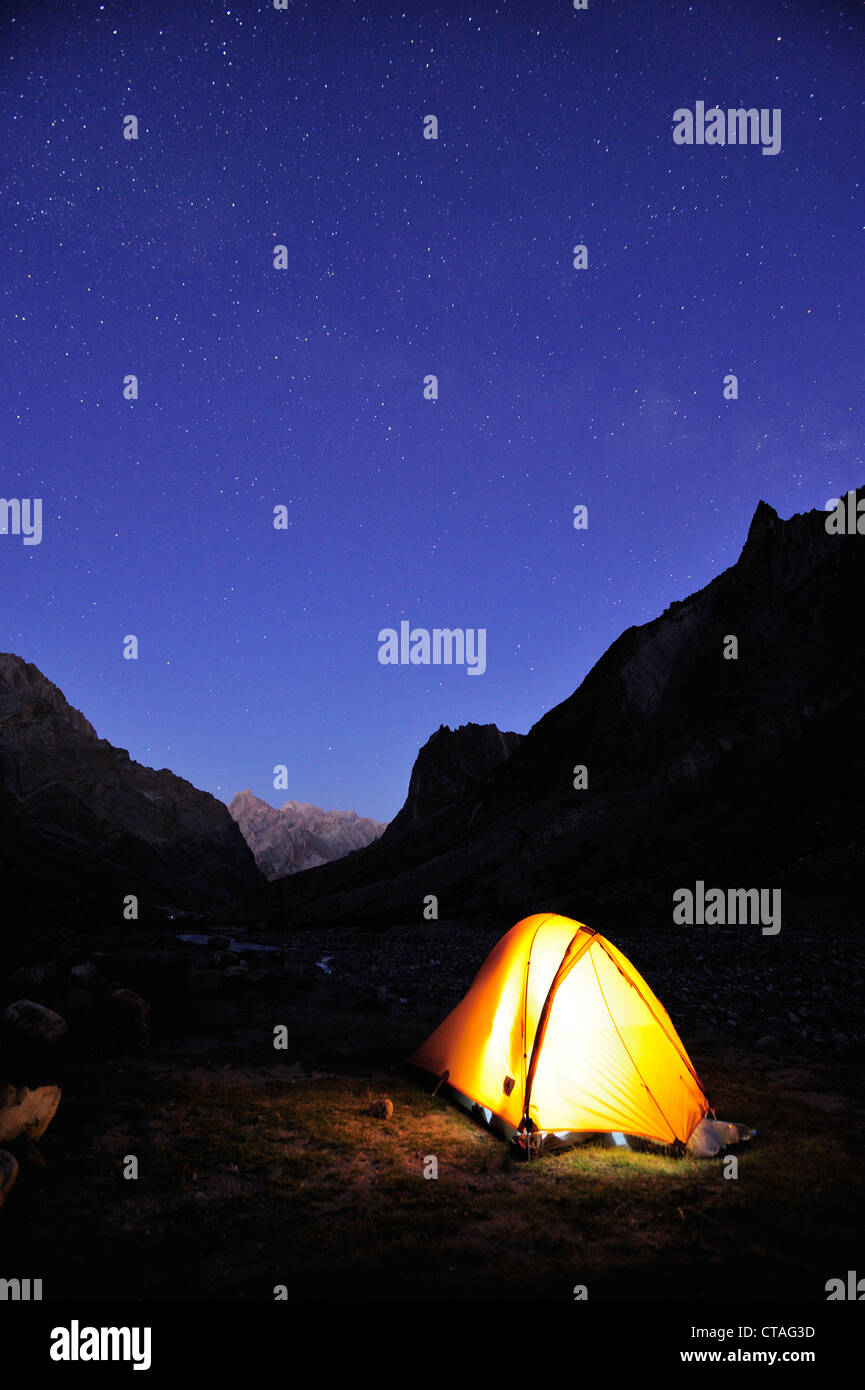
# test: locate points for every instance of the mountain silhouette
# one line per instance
(744, 772)
(82, 825)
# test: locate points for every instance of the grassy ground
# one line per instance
(252, 1178)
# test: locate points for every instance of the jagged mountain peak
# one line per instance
(298, 835)
(765, 521)
(450, 766)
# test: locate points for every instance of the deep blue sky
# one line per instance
(408, 256)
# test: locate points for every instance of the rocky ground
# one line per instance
(387, 988)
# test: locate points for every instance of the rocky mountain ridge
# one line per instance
(450, 765)
(82, 823)
(741, 771)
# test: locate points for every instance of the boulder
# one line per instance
(27, 1022)
(31, 1160)
(381, 1109)
(26, 1114)
(87, 977)
(129, 1020)
(28, 977)
(8, 1174)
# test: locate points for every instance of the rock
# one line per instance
(840, 1040)
(87, 977)
(218, 943)
(205, 981)
(381, 1109)
(129, 1020)
(235, 977)
(27, 977)
(8, 1174)
(26, 1022)
(768, 1044)
(25, 1113)
(30, 1159)
(223, 959)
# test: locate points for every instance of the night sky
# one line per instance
(303, 387)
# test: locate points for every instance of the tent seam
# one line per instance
(670, 1040)
(547, 917)
(651, 1094)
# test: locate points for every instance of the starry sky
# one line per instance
(303, 387)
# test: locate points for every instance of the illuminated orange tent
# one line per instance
(559, 1033)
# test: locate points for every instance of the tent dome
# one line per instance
(560, 1032)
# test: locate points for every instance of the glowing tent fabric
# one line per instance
(559, 1032)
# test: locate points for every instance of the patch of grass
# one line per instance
(249, 1180)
